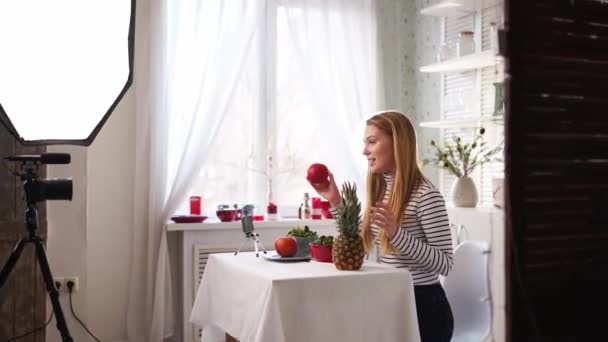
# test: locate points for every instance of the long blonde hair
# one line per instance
(406, 177)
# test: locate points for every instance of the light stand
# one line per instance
(36, 190)
(247, 223)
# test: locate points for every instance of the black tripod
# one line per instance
(33, 194)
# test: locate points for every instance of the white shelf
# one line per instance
(449, 8)
(464, 123)
(468, 62)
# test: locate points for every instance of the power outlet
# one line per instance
(74, 280)
(64, 283)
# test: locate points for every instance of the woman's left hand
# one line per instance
(382, 216)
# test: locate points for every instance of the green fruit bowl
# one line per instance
(303, 242)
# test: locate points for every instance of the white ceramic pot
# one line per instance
(464, 193)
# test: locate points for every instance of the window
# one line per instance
(308, 82)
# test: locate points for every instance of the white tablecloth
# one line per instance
(257, 300)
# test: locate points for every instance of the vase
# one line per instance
(464, 193)
(303, 246)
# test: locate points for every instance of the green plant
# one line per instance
(302, 232)
(323, 240)
(461, 159)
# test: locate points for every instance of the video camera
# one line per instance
(36, 189)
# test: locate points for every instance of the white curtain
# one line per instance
(189, 56)
(198, 68)
(330, 49)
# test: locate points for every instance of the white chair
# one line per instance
(467, 289)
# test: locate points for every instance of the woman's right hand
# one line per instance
(329, 191)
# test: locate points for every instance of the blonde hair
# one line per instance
(406, 177)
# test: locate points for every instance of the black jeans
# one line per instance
(435, 318)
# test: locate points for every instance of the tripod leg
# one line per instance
(257, 239)
(243, 244)
(12, 260)
(255, 244)
(50, 288)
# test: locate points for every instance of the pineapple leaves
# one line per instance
(349, 219)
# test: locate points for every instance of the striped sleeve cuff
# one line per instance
(334, 212)
(402, 241)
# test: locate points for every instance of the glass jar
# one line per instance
(195, 205)
(465, 44)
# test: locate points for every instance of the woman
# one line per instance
(405, 217)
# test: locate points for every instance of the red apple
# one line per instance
(318, 173)
(286, 246)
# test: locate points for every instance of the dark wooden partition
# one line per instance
(23, 297)
(557, 170)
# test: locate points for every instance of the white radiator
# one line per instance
(201, 253)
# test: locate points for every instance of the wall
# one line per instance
(89, 237)
(428, 86)
(396, 46)
(110, 216)
(67, 238)
(408, 41)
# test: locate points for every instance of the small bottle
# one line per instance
(300, 211)
(307, 210)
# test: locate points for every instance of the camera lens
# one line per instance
(56, 189)
(39, 190)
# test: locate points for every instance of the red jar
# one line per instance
(195, 205)
(317, 209)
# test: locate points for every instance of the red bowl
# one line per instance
(227, 215)
(320, 253)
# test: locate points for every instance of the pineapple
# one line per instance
(348, 250)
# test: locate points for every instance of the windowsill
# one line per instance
(218, 225)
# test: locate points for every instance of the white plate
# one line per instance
(276, 257)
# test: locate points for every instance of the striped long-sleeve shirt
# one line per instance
(424, 240)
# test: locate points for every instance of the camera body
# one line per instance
(37, 189)
(247, 219)
(247, 224)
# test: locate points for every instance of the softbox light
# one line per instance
(64, 67)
